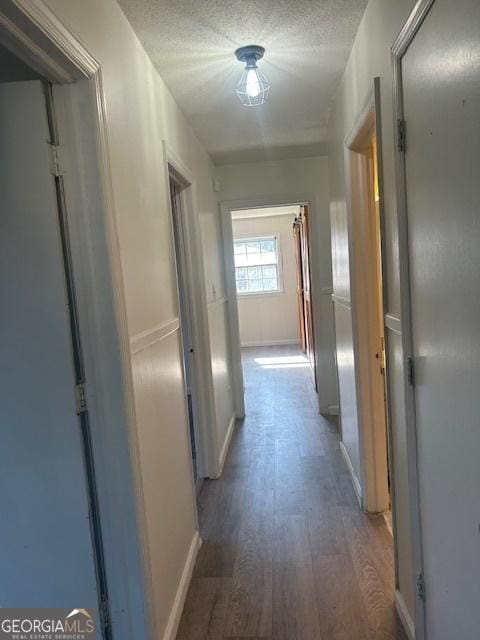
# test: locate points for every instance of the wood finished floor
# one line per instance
(287, 554)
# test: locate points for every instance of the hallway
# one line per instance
(286, 553)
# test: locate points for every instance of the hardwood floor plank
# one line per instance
(310, 437)
(221, 521)
(326, 531)
(295, 613)
(339, 599)
(289, 497)
(250, 604)
(205, 609)
(318, 483)
(292, 543)
(373, 534)
(375, 579)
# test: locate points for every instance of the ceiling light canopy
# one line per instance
(253, 87)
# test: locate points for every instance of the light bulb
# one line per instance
(252, 86)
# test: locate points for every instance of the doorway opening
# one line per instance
(368, 301)
(267, 254)
(177, 187)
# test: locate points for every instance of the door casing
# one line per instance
(196, 299)
(371, 407)
(299, 282)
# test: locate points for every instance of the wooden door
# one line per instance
(441, 102)
(297, 243)
(307, 287)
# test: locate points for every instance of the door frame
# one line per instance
(310, 330)
(196, 298)
(226, 208)
(34, 34)
(373, 440)
(399, 48)
(299, 284)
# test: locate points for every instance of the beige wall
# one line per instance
(370, 57)
(270, 318)
(282, 180)
(140, 113)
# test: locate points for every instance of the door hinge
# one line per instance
(411, 371)
(55, 164)
(401, 135)
(420, 586)
(81, 398)
(105, 618)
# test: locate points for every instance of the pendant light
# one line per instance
(253, 87)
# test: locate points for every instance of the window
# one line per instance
(257, 265)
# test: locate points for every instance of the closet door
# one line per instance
(46, 550)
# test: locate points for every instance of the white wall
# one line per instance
(140, 113)
(271, 318)
(370, 57)
(284, 180)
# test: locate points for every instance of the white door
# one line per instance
(46, 552)
(441, 93)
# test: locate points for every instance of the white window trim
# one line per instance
(281, 288)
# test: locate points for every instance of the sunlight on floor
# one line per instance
(283, 362)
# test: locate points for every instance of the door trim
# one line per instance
(32, 31)
(177, 170)
(373, 443)
(399, 48)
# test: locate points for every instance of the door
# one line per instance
(299, 280)
(307, 287)
(46, 550)
(441, 101)
(186, 328)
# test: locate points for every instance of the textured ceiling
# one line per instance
(192, 44)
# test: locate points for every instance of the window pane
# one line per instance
(253, 247)
(239, 247)
(269, 272)
(270, 284)
(241, 274)
(254, 272)
(268, 245)
(242, 285)
(240, 259)
(255, 284)
(254, 258)
(270, 257)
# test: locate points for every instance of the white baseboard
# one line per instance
(404, 615)
(179, 602)
(356, 484)
(225, 447)
(269, 343)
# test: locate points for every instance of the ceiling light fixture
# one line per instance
(253, 87)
